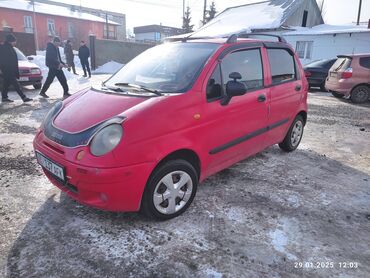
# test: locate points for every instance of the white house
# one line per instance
(328, 41)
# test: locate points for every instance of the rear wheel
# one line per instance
(337, 95)
(360, 94)
(170, 190)
(294, 135)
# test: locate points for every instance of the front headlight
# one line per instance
(35, 71)
(106, 139)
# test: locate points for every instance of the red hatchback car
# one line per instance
(171, 117)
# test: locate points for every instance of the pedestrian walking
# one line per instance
(55, 65)
(9, 68)
(84, 54)
(68, 52)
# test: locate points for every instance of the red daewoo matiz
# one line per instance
(174, 115)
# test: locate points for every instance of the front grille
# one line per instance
(24, 71)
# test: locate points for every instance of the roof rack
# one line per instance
(233, 38)
(230, 39)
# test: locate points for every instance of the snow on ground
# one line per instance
(110, 67)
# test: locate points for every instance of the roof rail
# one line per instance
(248, 35)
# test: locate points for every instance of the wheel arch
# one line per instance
(186, 154)
(361, 84)
(303, 114)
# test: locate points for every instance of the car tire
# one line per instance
(360, 94)
(294, 135)
(163, 182)
(37, 86)
(337, 95)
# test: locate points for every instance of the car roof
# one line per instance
(354, 55)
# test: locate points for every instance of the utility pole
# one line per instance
(359, 13)
(35, 25)
(106, 23)
(204, 11)
(183, 8)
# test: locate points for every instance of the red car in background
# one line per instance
(171, 117)
(29, 73)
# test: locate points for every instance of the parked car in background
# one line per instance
(29, 73)
(174, 115)
(350, 76)
(317, 71)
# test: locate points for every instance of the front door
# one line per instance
(235, 131)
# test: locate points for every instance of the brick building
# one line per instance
(50, 21)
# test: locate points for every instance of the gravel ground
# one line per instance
(305, 213)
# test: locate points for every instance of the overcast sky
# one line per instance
(169, 12)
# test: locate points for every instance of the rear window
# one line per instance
(341, 64)
(365, 62)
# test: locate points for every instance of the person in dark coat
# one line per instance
(84, 54)
(68, 52)
(9, 68)
(55, 65)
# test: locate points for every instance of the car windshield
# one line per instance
(20, 55)
(170, 67)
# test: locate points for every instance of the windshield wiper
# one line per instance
(140, 87)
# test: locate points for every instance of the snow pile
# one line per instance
(109, 68)
(262, 15)
(39, 60)
(327, 29)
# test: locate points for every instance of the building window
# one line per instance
(304, 49)
(304, 19)
(71, 30)
(111, 32)
(28, 27)
(51, 27)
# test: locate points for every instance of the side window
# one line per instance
(214, 85)
(365, 62)
(282, 66)
(248, 63)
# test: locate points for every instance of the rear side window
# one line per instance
(341, 64)
(282, 66)
(365, 62)
(248, 63)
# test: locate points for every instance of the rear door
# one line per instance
(365, 66)
(233, 131)
(286, 92)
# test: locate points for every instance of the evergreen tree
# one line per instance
(186, 26)
(211, 12)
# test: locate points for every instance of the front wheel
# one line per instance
(294, 135)
(360, 94)
(170, 190)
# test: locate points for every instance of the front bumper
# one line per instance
(113, 189)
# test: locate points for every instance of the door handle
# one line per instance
(298, 88)
(261, 98)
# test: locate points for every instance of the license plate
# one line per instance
(22, 78)
(333, 74)
(50, 166)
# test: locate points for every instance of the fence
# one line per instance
(103, 51)
(25, 41)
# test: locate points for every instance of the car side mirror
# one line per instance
(30, 58)
(233, 88)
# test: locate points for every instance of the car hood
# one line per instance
(26, 64)
(91, 108)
